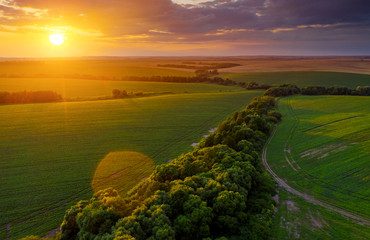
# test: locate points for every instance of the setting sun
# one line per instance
(56, 39)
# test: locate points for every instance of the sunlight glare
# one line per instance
(56, 39)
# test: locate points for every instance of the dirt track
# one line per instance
(357, 218)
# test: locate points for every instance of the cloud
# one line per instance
(276, 30)
(159, 31)
(220, 32)
(143, 15)
(172, 21)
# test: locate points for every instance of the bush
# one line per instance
(282, 91)
(363, 90)
(313, 90)
(254, 85)
(335, 90)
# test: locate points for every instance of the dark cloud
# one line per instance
(264, 15)
(300, 12)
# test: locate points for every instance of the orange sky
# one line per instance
(184, 27)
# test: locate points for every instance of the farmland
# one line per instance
(302, 78)
(148, 66)
(53, 155)
(322, 149)
(86, 89)
(101, 67)
(184, 119)
(288, 64)
(50, 152)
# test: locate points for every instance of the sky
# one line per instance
(184, 27)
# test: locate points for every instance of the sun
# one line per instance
(56, 39)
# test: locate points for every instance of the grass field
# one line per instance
(49, 152)
(302, 79)
(79, 88)
(322, 148)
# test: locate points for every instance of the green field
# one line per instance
(49, 152)
(79, 88)
(322, 148)
(302, 79)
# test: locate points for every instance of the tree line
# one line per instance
(205, 66)
(196, 79)
(29, 97)
(255, 86)
(219, 190)
(290, 89)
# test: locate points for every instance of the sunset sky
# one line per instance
(184, 27)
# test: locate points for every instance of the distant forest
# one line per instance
(204, 66)
(197, 79)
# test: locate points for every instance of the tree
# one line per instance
(363, 90)
(116, 93)
(335, 90)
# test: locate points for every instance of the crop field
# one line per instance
(50, 152)
(105, 68)
(284, 64)
(85, 89)
(302, 79)
(148, 66)
(322, 148)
